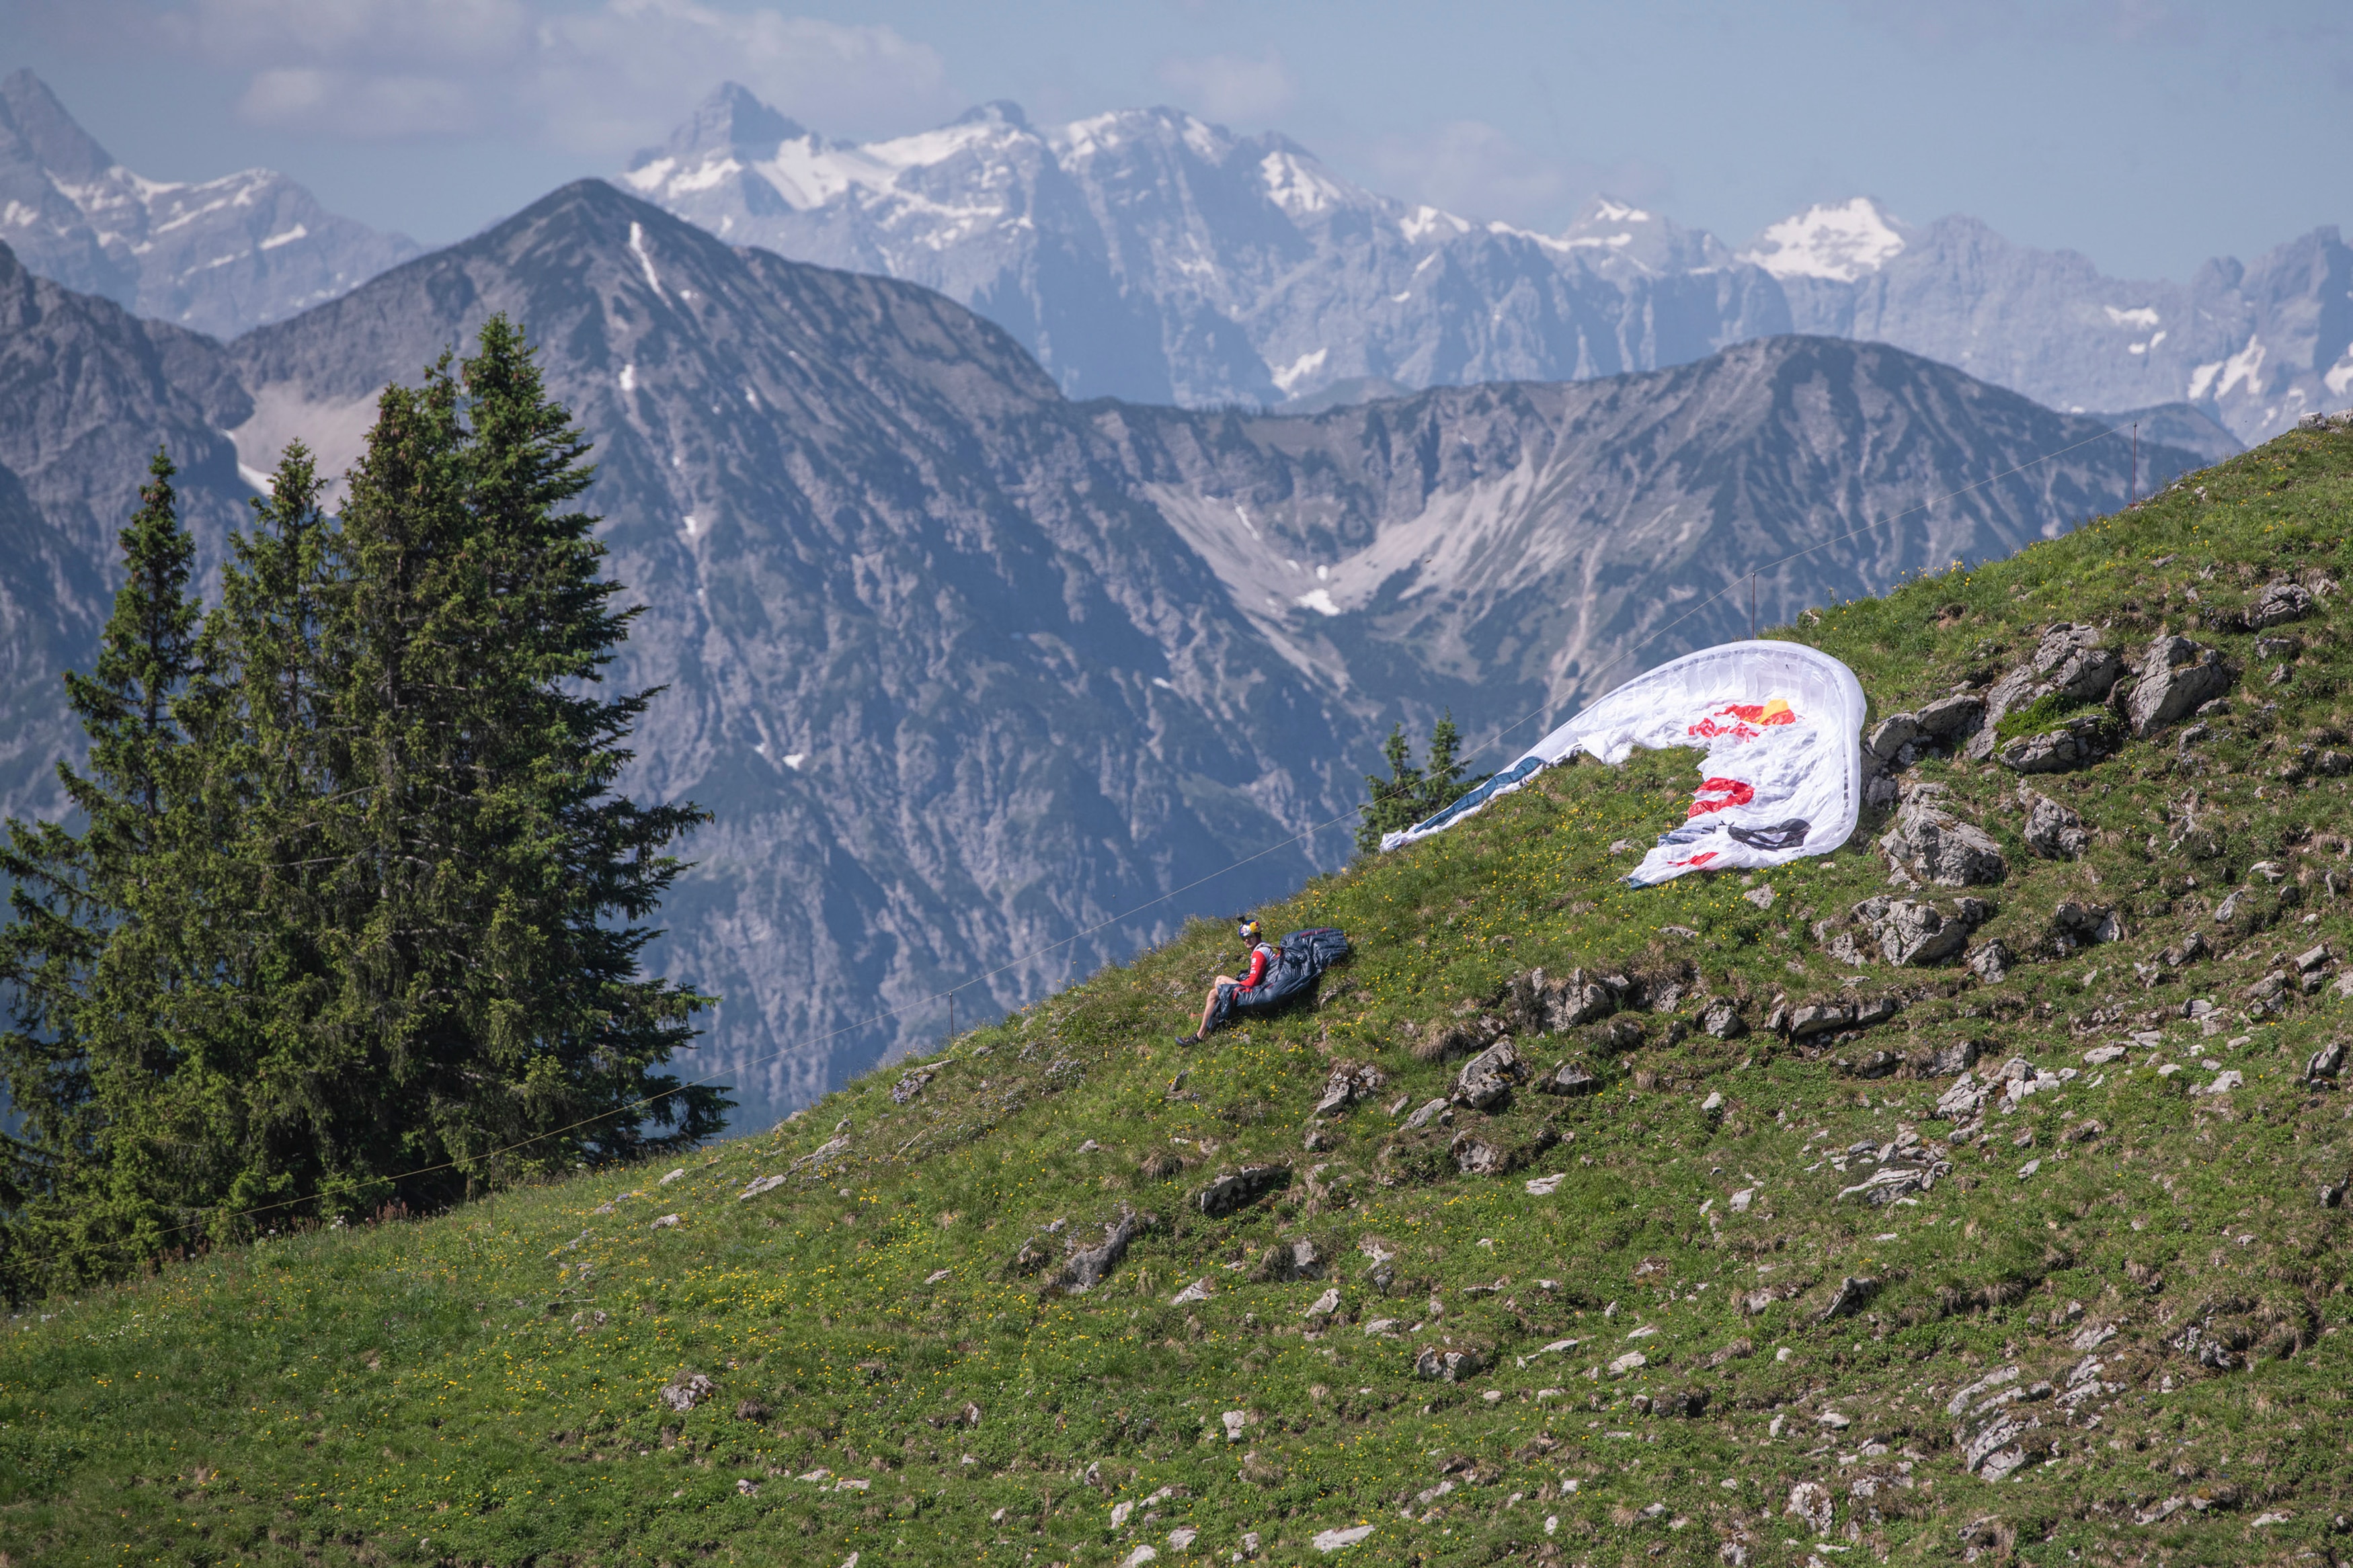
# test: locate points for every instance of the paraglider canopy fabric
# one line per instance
(1781, 725)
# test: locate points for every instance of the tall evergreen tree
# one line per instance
(98, 963)
(492, 884)
(358, 913)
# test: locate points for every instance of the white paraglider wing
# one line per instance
(1781, 725)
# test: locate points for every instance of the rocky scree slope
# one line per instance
(213, 255)
(1148, 254)
(966, 667)
(1725, 1222)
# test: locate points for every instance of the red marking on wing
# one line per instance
(1714, 795)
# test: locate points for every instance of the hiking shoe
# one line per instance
(1189, 1040)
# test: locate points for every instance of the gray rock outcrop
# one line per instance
(1932, 845)
(2078, 742)
(2069, 662)
(2173, 679)
(2052, 831)
(1913, 933)
(2279, 603)
(1486, 1079)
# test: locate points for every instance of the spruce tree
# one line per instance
(1412, 792)
(492, 889)
(357, 914)
(102, 962)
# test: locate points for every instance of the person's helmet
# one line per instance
(1248, 929)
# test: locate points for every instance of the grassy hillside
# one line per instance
(891, 1369)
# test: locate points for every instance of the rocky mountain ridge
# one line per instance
(213, 255)
(1148, 254)
(968, 669)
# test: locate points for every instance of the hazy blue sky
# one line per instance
(2148, 133)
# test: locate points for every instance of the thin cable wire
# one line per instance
(1133, 910)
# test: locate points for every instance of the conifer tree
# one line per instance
(491, 885)
(1412, 792)
(98, 968)
(358, 914)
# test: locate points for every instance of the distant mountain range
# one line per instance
(217, 257)
(966, 667)
(1152, 255)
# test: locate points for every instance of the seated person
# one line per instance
(1226, 992)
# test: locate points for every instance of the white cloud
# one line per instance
(1232, 87)
(603, 79)
(1471, 167)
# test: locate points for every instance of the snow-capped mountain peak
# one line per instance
(1837, 243)
(1151, 255)
(219, 256)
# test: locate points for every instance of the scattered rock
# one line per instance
(824, 1154)
(2325, 1063)
(1297, 1259)
(1198, 1291)
(666, 1222)
(1813, 1018)
(758, 1186)
(1721, 1019)
(1421, 1118)
(1851, 1295)
(2280, 601)
(1933, 845)
(1914, 934)
(1892, 1182)
(1892, 734)
(966, 1415)
(1349, 1082)
(2176, 678)
(1476, 1156)
(674, 1175)
(2001, 1447)
(2076, 743)
(1086, 1269)
(687, 1390)
(1617, 1035)
(1633, 1361)
(1569, 1078)
(1993, 961)
(1761, 897)
(1952, 719)
(911, 1085)
(1448, 1365)
(2076, 925)
(1566, 1002)
(1485, 1082)
(1955, 1058)
(2052, 831)
(1809, 1502)
(1324, 1305)
(1340, 1540)
(1241, 1189)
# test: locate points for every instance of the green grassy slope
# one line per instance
(887, 1377)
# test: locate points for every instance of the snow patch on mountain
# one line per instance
(1839, 243)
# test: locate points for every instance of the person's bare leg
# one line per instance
(1210, 1005)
